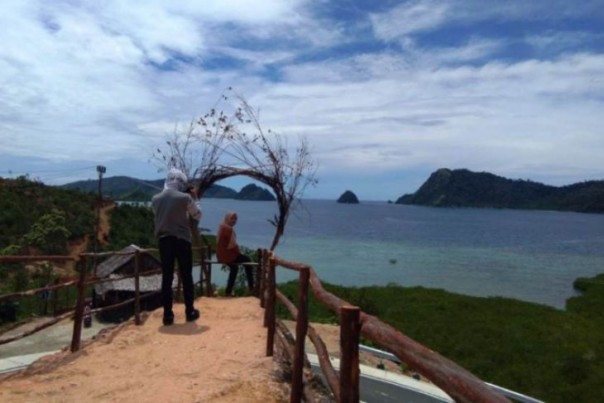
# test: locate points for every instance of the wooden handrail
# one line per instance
(34, 291)
(29, 258)
(84, 280)
(456, 381)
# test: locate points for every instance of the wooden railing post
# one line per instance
(349, 355)
(94, 276)
(206, 268)
(301, 330)
(204, 276)
(202, 257)
(270, 308)
(79, 310)
(257, 274)
(208, 275)
(266, 270)
(55, 299)
(262, 277)
(137, 301)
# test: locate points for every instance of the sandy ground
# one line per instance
(218, 358)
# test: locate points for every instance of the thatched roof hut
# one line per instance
(122, 265)
(120, 268)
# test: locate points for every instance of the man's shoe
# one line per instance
(193, 315)
(168, 320)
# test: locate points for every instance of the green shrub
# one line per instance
(549, 354)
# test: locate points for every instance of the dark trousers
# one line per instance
(234, 269)
(173, 249)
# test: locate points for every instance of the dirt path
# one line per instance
(81, 245)
(219, 358)
(102, 234)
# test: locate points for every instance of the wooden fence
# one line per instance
(66, 285)
(84, 280)
(460, 384)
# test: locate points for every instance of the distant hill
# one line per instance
(464, 188)
(253, 192)
(119, 187)
(132, 189)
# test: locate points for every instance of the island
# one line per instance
(348, 197)
(464, 188)
(253, 192)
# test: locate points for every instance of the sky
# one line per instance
(384, 92)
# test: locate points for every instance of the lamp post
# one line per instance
(101, 170)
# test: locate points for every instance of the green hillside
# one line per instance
(464, 188)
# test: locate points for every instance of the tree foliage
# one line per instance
(36, 218)
(48, 234)
(131, 225)
(24, 203)
(232, 142)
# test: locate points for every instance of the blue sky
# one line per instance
(385, 92)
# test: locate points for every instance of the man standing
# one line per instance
(172, 208)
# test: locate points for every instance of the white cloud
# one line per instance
(419, 16)
(499, 116)
(245, 11)
(80, 81)
(410, 17)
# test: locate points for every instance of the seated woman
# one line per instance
(228, 253)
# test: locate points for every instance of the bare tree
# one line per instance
(222, 144)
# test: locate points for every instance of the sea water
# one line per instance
(529, 255)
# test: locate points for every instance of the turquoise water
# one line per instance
(529, 255)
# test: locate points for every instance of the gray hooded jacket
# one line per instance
(172, 208)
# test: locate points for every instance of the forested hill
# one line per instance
(464, 188)
(132, 189)
(33, 215)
